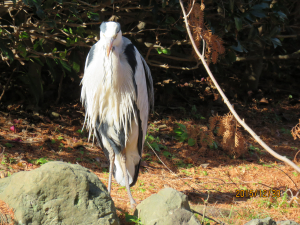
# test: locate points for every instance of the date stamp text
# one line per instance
(257, 193)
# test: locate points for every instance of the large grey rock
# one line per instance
(167, 207)
(58, 193)
(270, 221)
(287, 222)
(265, 221)
(211, 211)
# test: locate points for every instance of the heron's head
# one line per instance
(111, 33)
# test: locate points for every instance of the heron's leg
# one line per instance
(111, 168)
(123, 166)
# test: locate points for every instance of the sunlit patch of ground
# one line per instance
(213, 178)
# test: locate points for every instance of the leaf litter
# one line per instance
(213, 177)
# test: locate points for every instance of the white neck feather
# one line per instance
(108, 91)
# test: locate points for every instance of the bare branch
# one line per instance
(294, 55)
(253, 134)
(186, 59)
(166, 66)
(77, 25)
(4, 88)
(191, 9)
(61, 41)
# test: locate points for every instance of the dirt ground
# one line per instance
(253, 185)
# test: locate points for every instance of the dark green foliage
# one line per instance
(56, 35)
(256, 22)
(6, 51)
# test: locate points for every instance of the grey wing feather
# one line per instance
(149, 83)
(90, 56)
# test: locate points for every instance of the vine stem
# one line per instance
(236, 116)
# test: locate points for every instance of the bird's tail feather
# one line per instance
(132, 167)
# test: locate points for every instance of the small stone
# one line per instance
(167, 207)
(287, 222)
(204, 165)
(265, 221)
(54, 114)
(35, 113)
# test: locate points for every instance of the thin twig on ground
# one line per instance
(2, 151)
(295, 158)
(287, 176)
(161, 160)
(215, 220)
(204, 209)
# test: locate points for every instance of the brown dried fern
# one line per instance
(200, 30)
(233, 141)
(213, 122)
(210, 137)
(296, 131)
(203, 139)
(230, 138)
(194, 132)
(6, 214)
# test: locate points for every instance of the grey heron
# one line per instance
(117, 92)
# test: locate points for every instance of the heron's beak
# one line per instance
(109, 46)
